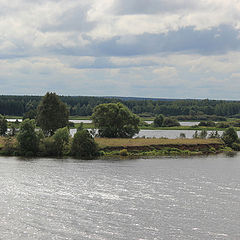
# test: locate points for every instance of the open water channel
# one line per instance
(167, 198)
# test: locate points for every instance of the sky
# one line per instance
(138, 48)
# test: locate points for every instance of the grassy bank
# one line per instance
(139, 147)
(127, 142)
(159, 147)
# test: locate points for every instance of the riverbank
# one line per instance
(139, 146)
(158, 146)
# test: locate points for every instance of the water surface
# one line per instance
(165, 198)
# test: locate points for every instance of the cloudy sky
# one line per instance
(145, 48)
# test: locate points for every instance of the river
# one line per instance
(166, 198)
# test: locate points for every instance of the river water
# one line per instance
(166, 198)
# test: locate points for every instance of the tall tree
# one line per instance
(114, 120)
(52, 113)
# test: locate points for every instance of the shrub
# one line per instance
(230, 136)
(123, 152)
(170, 122)
(27, 138)
(222, 125)
(195, 135)
(48, 147)
(158, 121)
(214, 134)
(236, 146)
(203, 134)
(12, 130)
(207, 124)
(71, 124)
(182, 135)
(84, 146)
(235, 124)
(8, 147)
(61, 139)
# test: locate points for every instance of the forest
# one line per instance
(83, 106)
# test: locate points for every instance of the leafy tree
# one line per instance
(61, 138)
(83, 145)
(27, 138)
(170, 122)
(214, 134)
(158, 121)
(9, 146)
(195, 135)
(182, 135)
(207, 124)
(203, 134)
(31, 114)
(13, 130)
(230, 136)
(114, 120)
(3, 125)
(52, 114)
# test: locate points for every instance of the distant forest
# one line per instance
(83, 106)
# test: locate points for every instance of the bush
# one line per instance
(207, 124)
(8, 147)
(158, 121)
(48, 147)
(230, 136)
(71, 124)
(56, 145)
(214, 134)
(27, 138)
(203, 134)
(236, 146)
(12, 130)
(182, 135)
(235, 124)
(61, 139)
(222, 125)
(84, 146)
(195, 135)
(170, 122)
(123, 152)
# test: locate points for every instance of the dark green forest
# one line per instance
(83, 106)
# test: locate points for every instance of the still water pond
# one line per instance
(165, 198)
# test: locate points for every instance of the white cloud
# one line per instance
(118, 47)
(166, 72)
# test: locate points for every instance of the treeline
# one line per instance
(83, 106)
